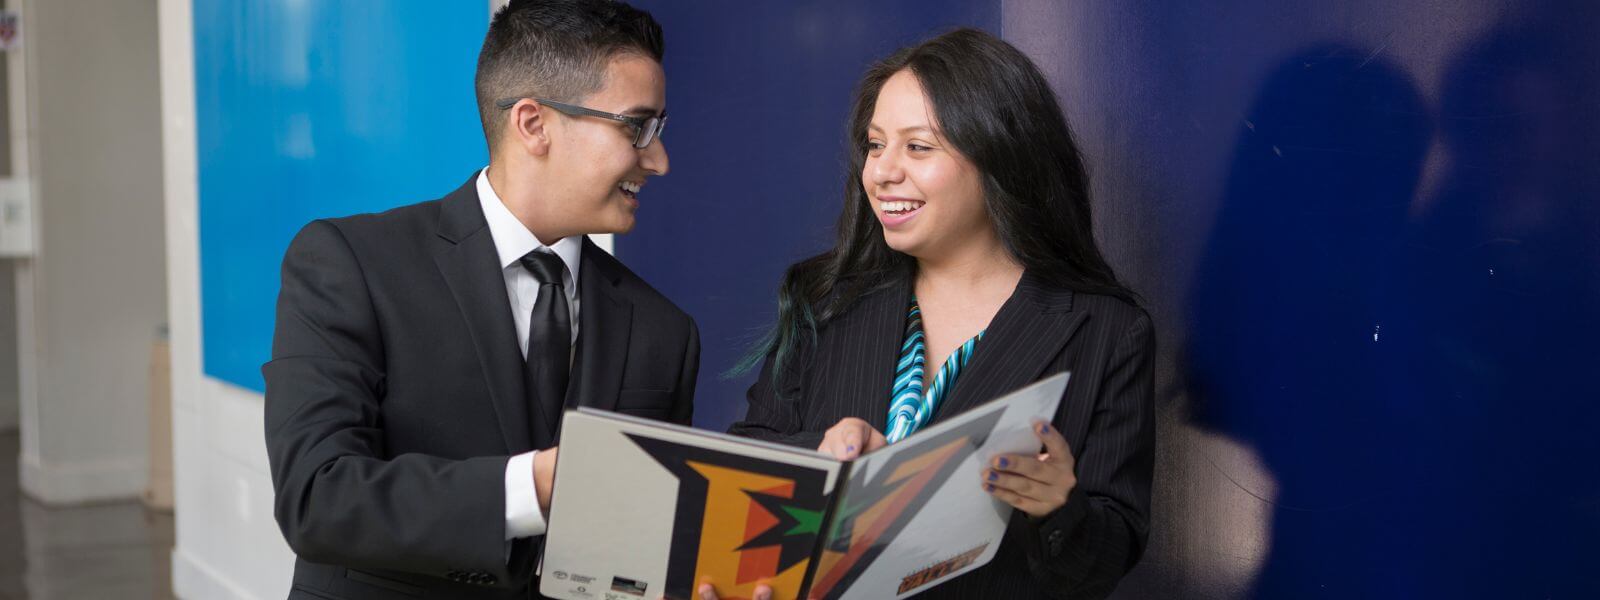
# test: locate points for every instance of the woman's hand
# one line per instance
(762, 592)
(1037, 485)
(850, 438)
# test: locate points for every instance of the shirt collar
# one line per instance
(512, 240)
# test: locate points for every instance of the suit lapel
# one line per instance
(1029, 330)
(874, 330)
(605, 321)
(468, 261)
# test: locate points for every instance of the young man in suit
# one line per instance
(423, 356)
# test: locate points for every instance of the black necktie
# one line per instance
(549, 338)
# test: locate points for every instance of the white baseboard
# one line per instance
(192, 579)
(82, 482)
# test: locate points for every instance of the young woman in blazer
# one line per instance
(965, 246)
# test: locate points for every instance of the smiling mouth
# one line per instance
(630, 188)
(901, 207)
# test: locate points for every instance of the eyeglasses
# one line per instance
(645, 129)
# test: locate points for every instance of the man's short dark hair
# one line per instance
(556, 49)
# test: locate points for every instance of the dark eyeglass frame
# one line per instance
(645, 129)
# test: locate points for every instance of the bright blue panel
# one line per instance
(317, 109)
(758, 93)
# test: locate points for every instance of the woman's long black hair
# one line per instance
(996, 108)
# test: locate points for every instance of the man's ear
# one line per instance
(528, 121)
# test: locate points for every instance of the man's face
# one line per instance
(596, 172)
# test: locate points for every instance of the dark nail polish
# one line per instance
(1044, 428)
(989, 487)
(993, 476)
(1003, 461)
(849, 448)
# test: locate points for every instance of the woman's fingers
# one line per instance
(1032, 467)
(833, 443)
(762, 592)
(1018, 501)
(1024, 486)
(827, 446)
(1037, 485)
(876, 439)
(850, 438)
(1054, 445)
(851, 434)
(1052, 493)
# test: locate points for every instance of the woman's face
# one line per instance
(927, 196)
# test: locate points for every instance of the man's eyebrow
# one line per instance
(642, 111)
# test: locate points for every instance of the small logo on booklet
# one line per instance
(627, 586)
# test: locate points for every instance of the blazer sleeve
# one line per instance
(774, 416)
(340, 498)
(1084, 548)
(683, 402)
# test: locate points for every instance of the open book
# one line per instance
(643, 509)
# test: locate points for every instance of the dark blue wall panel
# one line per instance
(758, 93)
(317, 109)
(1371, 246)
(1369, 234)
(1367, 230)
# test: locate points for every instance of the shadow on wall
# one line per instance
(1298, 325)
(1412, 368)
(1505, 260)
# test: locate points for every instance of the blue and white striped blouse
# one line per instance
(909, 407)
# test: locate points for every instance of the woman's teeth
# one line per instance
(629, 188)
(901, 206)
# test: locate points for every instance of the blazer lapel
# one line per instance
(874, 329)
(1029, 330)
(468, 261)
(605, 321)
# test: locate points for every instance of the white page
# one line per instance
(954, 529)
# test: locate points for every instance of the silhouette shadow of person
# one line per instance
(1505, 261)
(1298, 319)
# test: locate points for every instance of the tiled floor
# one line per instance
(101, 551)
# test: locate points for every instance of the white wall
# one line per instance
(10, 391)
(228, 545)
(92, 297)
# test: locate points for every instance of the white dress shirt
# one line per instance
(512, 241)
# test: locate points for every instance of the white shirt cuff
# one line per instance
(523, 517)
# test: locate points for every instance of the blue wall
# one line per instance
(1368, 232)
(317, 109)
(758, 93)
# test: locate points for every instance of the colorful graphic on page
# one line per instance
(871, 513)
(740, 522)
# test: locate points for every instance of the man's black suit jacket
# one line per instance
(1106, 415)
(395, 396)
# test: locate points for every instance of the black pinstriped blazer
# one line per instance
(1107, 416)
